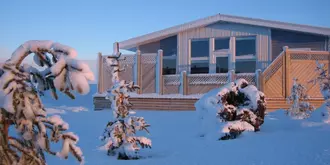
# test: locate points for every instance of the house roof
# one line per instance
(133, 42)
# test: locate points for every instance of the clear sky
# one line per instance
(93, 26)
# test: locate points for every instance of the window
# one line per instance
(169, 66)
(198, 67)
(169, 47)
(245, 46)
(200, 48)
(221, 64)
(244, 66)
(221, 43)
(199, 56)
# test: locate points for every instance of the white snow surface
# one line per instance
(175, 139)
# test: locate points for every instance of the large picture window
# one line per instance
(245, 54)
(221, 44)
(199, 56)
(245, 46)
(169, 47)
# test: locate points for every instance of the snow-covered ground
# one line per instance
(175, 138)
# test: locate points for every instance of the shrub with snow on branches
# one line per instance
(300, 108)
(119, 135)
(243, 106)
(21, 108)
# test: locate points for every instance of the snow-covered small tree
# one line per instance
(300, 107)
(21, 86)
(120, 134)
(243, 106)
(323, 80)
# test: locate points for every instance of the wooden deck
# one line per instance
(186, 104)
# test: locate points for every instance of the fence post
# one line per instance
(100, 73)
(183, 83)
(231, 76)
(137, 71)
(286, 74)
(212, 59)
(259, 80)
(159, 72)
(115, 48)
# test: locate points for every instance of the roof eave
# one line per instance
(134, 42)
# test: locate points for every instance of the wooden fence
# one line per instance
(277, 79)
(146, 70)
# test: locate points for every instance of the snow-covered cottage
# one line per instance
(184, 61)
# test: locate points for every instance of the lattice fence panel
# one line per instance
(148, 64)
(273, 67)
(171, 79)
(249, 77)
(107, 74)
(171, 84)
(127, 62)
(311, 56)
(128, 65)
(207, 79)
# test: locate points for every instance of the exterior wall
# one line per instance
(168, 45)
(152, 47)
(282, 38)
(221, 29)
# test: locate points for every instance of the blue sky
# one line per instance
(92, 26)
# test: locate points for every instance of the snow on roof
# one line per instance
(130, 43)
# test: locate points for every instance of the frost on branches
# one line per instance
(120, 134)
(21, 108)
(300, 107)
(242, 106)
(323, 79)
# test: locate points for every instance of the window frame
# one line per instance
(221, 50)
(201, 60)
(246, 56)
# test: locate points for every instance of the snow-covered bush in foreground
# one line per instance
(238, 103)
(22, 109)
(119, 135)
(323, 79)
(300, 108)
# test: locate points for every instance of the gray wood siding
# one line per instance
(152, 47)
(168, 45)
(222, 29)
(282, 38)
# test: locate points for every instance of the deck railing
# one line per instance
(146, 70)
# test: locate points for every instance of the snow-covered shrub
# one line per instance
(120, 134)
(243, 106)
(300, 107)
(239, 104)
(21, 108)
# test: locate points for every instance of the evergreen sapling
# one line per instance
(300, 107)
(21, 108)
(120, 134)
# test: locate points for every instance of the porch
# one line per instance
(181, 91)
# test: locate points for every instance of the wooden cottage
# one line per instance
(176, 65)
